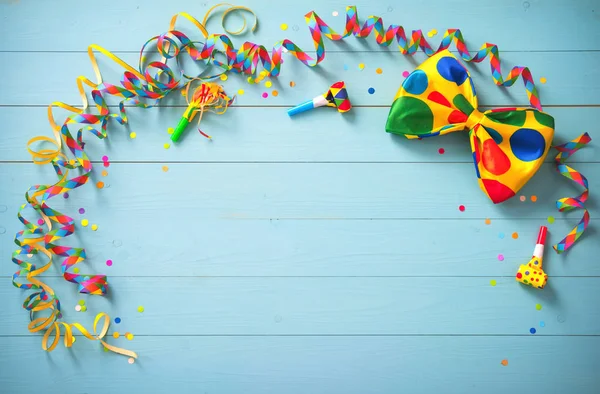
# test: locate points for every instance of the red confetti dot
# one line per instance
(106, 164)
(441, 151)
(461, 208)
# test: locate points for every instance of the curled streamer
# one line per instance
(569, 203)
(144, 88)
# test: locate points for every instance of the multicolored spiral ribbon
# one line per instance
(569, 203)
(144, 88)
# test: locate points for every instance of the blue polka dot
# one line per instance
(532, 330)
(452, 70)
(494, 134)
(416, 83)
(371, 90)
(117, 320)
(527, 144)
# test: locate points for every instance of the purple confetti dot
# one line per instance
(66, 195)
(60, 316)
(40, 221)
(81, 211)
(109, 262)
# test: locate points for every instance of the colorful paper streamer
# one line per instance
(569, 203)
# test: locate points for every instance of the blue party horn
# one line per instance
(336, 96)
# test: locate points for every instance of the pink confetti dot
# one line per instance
(441, 151)
(104, 158)
(522, 198)
(109, 262)
(500, 257)
(40, 221)
(461, 208)
(81, 211)
(265, 95)
(405, 74)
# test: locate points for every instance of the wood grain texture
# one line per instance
(308, 255)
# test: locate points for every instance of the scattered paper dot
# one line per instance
(105, 348)
(292, 84)
(522, 198)
(538, 307)
(501, 257)
(165, 168)
(99, 184)
(268, 84)
(515, 235)
(361, 66)
(371, 90)
(132, 135)
(40, 221)
(405, 74)
(275, 93)
(543, 80)
(542, 324)
(170, 130)
(284, 26)
(104, 158)
(131, 360)
(346, 67)
(250, 80)
(335, 13)
(265, 95)
(83, 308)
(109, 262)
(488, 221)
(533, 198)
(532, 330)
(183, 93)
(117, 320)
(116, 335)
(550, 219)
(378, 71)
(81, 302)
(223, 77)
(166, 145)
(241, 92)
(129, 336)
(493, 282)
(66, 195)
(76, 270)
(77, 308)
(94, 227)
(140, 309)
(104, 173)
(461, 208)
(441, 151)
(432, 32)
(501, 235)
(106, 164)
(504, 362)
(84, 222)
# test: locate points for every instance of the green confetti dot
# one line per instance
(81, 302)
(83, 308)
(550, 219)
(538, 307)
(493, 282)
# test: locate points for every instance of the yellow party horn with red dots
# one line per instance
(532, 274)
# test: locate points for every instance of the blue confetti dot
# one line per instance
(532, 330)
(501, 235)
(542, 324)
(117, 320)
(527, 144)
(451, 70)
(371, 90)
(346, 67)
(416, 83)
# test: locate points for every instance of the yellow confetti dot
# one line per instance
(76, 270)
(84, 308)
(241, 92)
(129, 336)
(166, 145)
(488, 221)
(72, 162)
(268, 84)
(493, 282)
(183, 93)
(170, 130)
(361, 66)
(550, 219)
(131, 360)
(275, 93)
(292, 84)
(250, 81)
(543, 80)
(84, 222)
(104, 173)
(223, 77)
(263, 73)
(538, 307)
(140, 309)
(116, 335)
(132, 135)
(94, 227)
(515, 235)
(81, 302)
(534, 198)
(165, 168)
(284, 26)
(379, 71)
(99, 184)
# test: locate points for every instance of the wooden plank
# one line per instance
(324, 306)
(298, 191)
(326, 248)
(242, 136)
(518, 26)
(21, 85)
(310, 365)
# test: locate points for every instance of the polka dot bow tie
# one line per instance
(509, 144)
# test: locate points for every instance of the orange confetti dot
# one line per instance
(275, 93)
(165, 168)
(534, 198)
(504, 362)
(116, 335)
(515, 235)
(379, 71)
(292, 84)
(100, 184)
(543, 80)
(488, 221)
(104, 173)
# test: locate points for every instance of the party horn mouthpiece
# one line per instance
(532, 274)
(336, 96)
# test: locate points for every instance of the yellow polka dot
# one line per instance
(94, 227)
(241, 92)
(223, 77)
(84, 222)
(166, 145)
(361, 66)
(165, 168)
(104, 173)
(284, 26)
(275, 93)
(132, 135)
(116, 335)
(129, 336)
(268, 84)
(379, 71)
(170, 130)
(543, 80)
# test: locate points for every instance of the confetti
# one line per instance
(241, 92)
(441, 151)
(140, 309)
(532, 330)
(183, 93)
(106, 164)
(501, 235)
(132, 135)
(166, 145)
(104, 173)
(275, 93)
(284, 26)
(533, 198)
(77, 308)
(361, 66)
(81, 302)
(346, 67)
(538, 307)
(488, 221)
(542, 324)
(99, 184)
(405, 74)
(501, 257)
(131, 360)
(165, 168)
(83, 308)
(109, 262)
(550, 219)
(170, 130)
(335, 13)
(40, 221)
(504, 362)
(268, 84)
(84, 222)
(493, 282)
(522, 198)
(66, 195)
(379, 71)
(543, 80)
(265, 95)
(223, 77)
(461, 208)
(515, 235)
(104, 158)
(117, 320)
(129, 336)
(76, 270)
(292, 84)
(94, 227)
(116, 335)
(371, 90)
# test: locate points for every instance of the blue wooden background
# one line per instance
(309, 255)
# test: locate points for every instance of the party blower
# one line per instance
(532, 274)
(336, 96)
